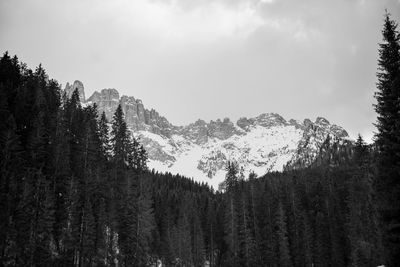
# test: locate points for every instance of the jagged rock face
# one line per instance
(338, 131)
(200, 132)
(201, 150)
(222, 129)
(155, 149)
(245, 123)
(159, 125)
(314, 135)
(266, 120)
(270, 120)
(296, 124)
(107, 101)
(69, 90)
(210, 164)
(130, 108)
(137, 117)
(196, 132)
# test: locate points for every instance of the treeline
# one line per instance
(320, 216)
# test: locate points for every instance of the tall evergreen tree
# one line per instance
(231, 216)
(281, 237)
(388, 135)
(104, 135)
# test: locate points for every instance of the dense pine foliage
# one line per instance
(75, 191)
(388, 137)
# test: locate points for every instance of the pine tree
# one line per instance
(123, 189)
(133, 211)
(360, 151)
(104, 135)
(362, 220)
(388, 135)
(145, 215)
(38, 194)
(231, 216)
(231, 179)
(281, 237)
(197, 240)
(181, 235)
(166, 252)
(120, 139)
(210, 231)
(253, 224)
(11, 163)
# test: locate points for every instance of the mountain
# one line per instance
(201, 150)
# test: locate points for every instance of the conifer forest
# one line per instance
(75, 190)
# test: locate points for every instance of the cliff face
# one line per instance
(69, 90)
(201, 150)
(107, 101)
(137, 117)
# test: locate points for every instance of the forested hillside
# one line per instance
(75, 190)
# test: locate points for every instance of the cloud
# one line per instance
(185, 22)
(171, 21)
(209, 22)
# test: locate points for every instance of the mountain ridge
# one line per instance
(265, 143)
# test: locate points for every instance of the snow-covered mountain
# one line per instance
(201, 150)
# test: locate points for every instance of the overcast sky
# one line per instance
(211, 59)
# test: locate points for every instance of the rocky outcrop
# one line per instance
(321, 121)
(196, 132)
(137, 117)
(129, 107)
(222, 129)
(200, 131)
(314, 136)
(69, 90)
(270, 119)
(107, 101)
(265, 120)
(307, 123)
(296, 124)
(212, 163)
(155, 150)
(339, 131)
(245, 123)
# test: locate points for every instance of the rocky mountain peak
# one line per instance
(69, 90)
(200, 122)
(265, 120)
(137, 117)
(296, 123)
(307, 123)
(321, 121)
(107, 101)
(222, 129)
(244, 123)
(270, 119)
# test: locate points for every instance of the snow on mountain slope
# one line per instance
(261, 148)
(201, 150)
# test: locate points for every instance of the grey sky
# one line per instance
(211, 59)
